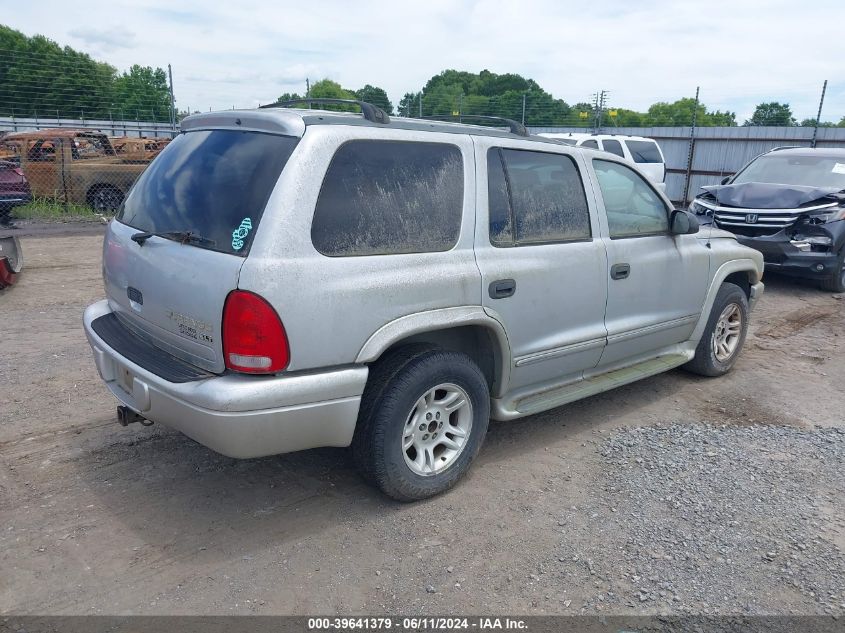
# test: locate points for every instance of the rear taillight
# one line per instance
(18, 171)
(254, 339)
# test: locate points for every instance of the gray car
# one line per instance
(282, 279)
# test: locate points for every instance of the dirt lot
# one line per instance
(676, 494)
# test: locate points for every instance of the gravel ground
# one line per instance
(677, 494)
(715, 519)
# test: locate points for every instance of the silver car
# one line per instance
(282, 279)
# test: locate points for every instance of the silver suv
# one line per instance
(282, 279)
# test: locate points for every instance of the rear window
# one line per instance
(612, 146)
(535, 198)
(390, 197)
(644, 151)
(212, 183)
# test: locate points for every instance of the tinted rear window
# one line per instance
(614, 147)
(213, 183)
(644, 151)
(390, 197)
(535, 198)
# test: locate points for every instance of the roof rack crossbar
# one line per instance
(371, 112)
(515, 126)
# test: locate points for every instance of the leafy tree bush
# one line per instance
(40, 78)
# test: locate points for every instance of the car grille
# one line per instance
(772, 220)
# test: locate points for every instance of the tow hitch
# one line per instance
(126, 416)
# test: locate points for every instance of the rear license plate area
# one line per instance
(124, 379)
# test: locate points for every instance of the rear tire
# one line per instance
(420, 397)
(836, 282)
(724, 336)
(104, 198)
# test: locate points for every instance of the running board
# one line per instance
(535, 403)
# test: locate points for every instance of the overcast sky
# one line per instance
(246, 52)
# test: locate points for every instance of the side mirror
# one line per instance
(683, 223)
(725, 180)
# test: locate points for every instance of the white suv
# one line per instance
(645, 152)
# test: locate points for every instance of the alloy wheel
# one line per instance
(727, 333)
(437, 429)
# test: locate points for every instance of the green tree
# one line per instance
(625, 118)
(40, 78)
(680, 113)
(457, 92)
(143, 93)
(409, 105)
(328, 89)
(291, 96)
(577, 118)
(772, 113)
(812, 123)
(375, 95)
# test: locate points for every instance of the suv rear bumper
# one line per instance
(237, 415)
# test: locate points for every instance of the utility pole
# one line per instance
(172, 100)
(598, 105)
(691, 150)
(307, 87)
(420, 104)
(819, 115)
(523, 108)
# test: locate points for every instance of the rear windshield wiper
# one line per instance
(184, 237)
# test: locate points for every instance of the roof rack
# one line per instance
(780, 147)
(371, 112)
(515, 126)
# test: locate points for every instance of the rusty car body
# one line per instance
(138, 148)
(77, 166)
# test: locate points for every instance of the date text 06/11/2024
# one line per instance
(416, 624)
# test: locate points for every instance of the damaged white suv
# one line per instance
(282, 279)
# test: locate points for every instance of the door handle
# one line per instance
(620, 271)
(502, 288)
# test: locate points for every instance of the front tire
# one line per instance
(724, 336)
(836, 282)
(423, 418)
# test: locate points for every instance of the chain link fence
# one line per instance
(74, 132)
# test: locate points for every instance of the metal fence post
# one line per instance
(172, 101)
(691, 152)
(819, 115)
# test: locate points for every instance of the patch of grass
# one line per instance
(52, 210)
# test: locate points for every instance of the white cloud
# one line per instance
(104, 40)
(739, 53)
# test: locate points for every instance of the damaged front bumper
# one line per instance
(811, 251)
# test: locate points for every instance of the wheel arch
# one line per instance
(741, 272)
(470, 330)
